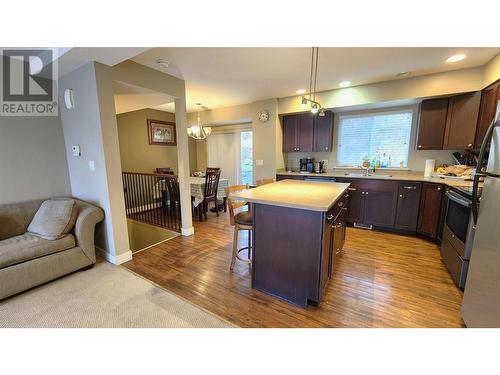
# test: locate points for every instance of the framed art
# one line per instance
(161, 133)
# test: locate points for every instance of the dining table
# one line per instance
(197, 185)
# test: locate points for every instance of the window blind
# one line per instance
(376, 136)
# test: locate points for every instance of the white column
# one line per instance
(183, 166)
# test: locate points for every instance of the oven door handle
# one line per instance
(458, 199)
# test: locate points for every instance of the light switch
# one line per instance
(259, 162)
(91, 165)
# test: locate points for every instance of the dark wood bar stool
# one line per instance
(241, 221)
(212, 177)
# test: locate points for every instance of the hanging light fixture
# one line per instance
(198, 131)
(316, 107)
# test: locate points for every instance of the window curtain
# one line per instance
(224, 152)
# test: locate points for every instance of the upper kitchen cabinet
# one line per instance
(432, 124)
(489, 98)
(323, 132)
(461, 121)
(448, 123)
(298, 133)
(306, 132)
(289, 133)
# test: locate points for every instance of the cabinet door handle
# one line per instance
(419, 146)
(329, 217)
(341, 204)
(326, 148)
(409, 187)
(469, 145)
(345, 208)
(400, 195)
(363, 193)
(439, 189)
(352, 189)
(366, 192)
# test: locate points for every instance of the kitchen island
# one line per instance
(298, 232)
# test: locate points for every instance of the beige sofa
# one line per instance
(27, 260)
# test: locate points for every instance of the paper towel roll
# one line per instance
(429, 167)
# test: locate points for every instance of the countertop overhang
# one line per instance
(305, 195)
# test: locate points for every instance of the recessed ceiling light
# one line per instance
(300, 91)
(455, 58)
(402, 74)
(163, 63)
(345, 83)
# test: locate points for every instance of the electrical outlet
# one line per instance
(91, 166)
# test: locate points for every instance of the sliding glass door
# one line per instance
(232, 152)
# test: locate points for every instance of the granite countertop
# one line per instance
(385, 175)
(313, 196)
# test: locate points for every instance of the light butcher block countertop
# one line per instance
(305, 195)
(385, 175)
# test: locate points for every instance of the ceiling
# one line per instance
(221, 77)
(130, 98)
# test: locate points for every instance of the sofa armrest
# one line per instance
(88, 217)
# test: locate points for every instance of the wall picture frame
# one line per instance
(161, 133)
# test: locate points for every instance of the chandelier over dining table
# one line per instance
(199, 131)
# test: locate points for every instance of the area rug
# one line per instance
(105, 296)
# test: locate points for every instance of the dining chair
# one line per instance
(165, 170)
(174, 195)
(212, 176)
(264, 181)
(242, 220)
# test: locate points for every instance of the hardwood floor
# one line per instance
(383, 280)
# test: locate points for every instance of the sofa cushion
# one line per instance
(29, 246)
(54, 218)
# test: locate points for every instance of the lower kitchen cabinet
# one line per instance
(404, 206)
(408, 206)
(430, 210)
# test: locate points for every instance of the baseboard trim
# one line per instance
(115, 259)
(187, 231)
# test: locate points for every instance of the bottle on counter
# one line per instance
(389, 162)
(377, 163)
(383, 164)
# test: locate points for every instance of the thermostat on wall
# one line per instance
(76, 150)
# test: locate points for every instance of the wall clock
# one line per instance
(264, 115)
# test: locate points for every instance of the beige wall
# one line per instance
(264, 134)
(416, 158)
(136, 154)
(32, 159)
(492, 71)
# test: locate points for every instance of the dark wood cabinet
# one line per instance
(338, 227)
(380, 208)
(430, 209)
(432, 124)
(289, 133)
(323, 132)
(461, 121)
(408, 206)
(306, 132)
(489, 99)
(327, 253)
(371, 202)
(356, 205)
(448, 123)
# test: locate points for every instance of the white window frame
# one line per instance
(364, 113)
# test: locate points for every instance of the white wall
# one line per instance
(32, 159)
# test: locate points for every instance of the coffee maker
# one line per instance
(306, 165)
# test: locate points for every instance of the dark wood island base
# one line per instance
(295, 250)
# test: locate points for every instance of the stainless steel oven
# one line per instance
(458, 235)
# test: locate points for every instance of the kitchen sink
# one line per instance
(368, 175)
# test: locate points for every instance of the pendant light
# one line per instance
(198, 131)
(316, 107)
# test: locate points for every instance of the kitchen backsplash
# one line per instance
(416, 159)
